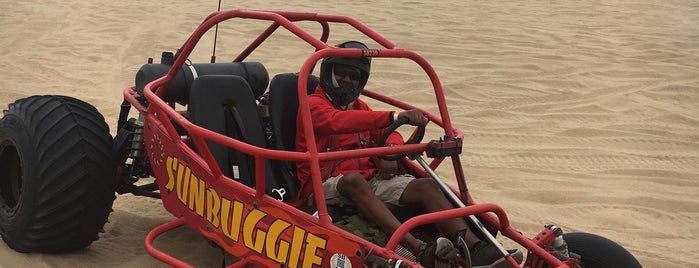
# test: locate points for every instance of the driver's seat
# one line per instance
(283, 108)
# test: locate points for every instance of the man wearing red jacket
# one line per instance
(341, 121)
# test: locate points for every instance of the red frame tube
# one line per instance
(162, 256)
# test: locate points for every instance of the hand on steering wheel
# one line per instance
(407, 117)
(415, 117)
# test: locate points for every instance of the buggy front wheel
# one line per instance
(599, 252)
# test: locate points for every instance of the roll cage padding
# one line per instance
(254, 73)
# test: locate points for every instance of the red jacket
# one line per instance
(337, 129)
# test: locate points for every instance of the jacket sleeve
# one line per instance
(328, 120)
(394, 138)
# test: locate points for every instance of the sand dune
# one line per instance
(578, 113)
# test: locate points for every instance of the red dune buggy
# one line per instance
(220, 146)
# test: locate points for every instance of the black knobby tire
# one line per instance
(599, 252)
(57, 174)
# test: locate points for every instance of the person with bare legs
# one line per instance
(342, 121)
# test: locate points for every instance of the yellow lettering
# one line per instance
(310, 257)
(249, 226)
(171, 164)
(275, 230)
(231, 225)
(227, 216)
(183, 176)
(296, 244)
(213, 207)
(196, 195)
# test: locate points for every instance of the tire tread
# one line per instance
(76, 172)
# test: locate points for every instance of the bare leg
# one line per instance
(356, 188)
(426, 193)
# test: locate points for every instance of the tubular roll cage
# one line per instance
(165, 114)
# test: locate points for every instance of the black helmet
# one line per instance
(340, 95)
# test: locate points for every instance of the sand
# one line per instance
(577, 113)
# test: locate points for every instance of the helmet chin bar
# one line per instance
(342, 96)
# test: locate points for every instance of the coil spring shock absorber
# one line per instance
(137, 145)
(137, 149)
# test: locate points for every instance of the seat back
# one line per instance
(283, 108)
(225, 104)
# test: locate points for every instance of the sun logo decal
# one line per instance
(157, 155)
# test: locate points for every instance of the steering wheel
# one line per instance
(416, 137)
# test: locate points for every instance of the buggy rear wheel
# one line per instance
(599, 252)
(57, 174)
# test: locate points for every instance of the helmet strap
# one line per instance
(332, 77)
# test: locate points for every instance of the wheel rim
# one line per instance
(10, 176)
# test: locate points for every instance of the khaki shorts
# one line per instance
(388, 191)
